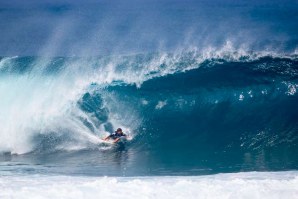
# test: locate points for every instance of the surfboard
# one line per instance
(110, 141)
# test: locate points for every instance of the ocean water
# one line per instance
(206, 90)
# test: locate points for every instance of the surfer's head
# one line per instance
(119, 130)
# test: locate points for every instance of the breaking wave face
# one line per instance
(185, 108)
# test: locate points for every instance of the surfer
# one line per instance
(116, 135)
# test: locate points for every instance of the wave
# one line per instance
(244, 99)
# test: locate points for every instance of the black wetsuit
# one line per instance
(115, 135)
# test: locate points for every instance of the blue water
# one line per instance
(201, 87)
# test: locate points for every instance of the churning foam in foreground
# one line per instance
(239, 185)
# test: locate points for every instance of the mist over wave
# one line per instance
(103, 27)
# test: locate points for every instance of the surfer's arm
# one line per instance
(116, 140)
(108, 137)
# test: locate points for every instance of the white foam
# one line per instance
(34, 103)
(248, 185)
(241, 97)
(160, 104)
(292, 88)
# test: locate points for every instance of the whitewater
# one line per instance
(241, 185)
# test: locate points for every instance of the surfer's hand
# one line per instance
(116, 140)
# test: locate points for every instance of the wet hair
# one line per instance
(119, 129)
